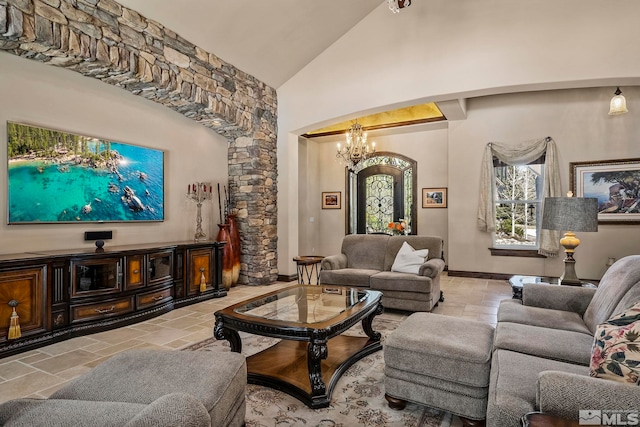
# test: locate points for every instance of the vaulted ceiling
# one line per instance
(271, 40)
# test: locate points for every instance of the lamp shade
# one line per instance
(618, 104)
(570, 214)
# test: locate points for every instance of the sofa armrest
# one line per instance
(431, 268)
(563, 394)
(334, 262)
(565, 298)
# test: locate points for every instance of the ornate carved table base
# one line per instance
(306, 366)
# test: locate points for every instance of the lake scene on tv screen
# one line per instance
(58, 177)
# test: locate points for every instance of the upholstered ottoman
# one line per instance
(217, 379)
(439, 361)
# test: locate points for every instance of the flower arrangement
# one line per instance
(398, 227)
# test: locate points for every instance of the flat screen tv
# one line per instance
(59, 177)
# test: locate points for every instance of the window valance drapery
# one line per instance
(519, 154)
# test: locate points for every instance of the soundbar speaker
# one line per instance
(98, 235)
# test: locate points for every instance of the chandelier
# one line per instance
(356, 148)
(396, 5)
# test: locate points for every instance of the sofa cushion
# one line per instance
(433, 243)
(544, 342)
(513, 385)
(141, 376)
(365, 251)
(408, 301)
(619, 278)
(630, 298)
(409, 260)
(176, 409)
(616, 348)
(514, 312)
(347, 277)
(71, 413)
(407, 282)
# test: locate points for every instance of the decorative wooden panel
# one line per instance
(150, 299)
(200, 261)
(135, 272)
(102, 309)
(28, 287)
(59, 283)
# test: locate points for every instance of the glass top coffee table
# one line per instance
(517, 282)
(310, 320)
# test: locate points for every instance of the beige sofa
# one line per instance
(543, 346)
(538, 358)
(365, 261)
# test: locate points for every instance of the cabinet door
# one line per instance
(96, 277)
(135, 272)
(200, 264)
(160, 267)
(29, 288)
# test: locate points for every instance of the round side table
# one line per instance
(306, 264)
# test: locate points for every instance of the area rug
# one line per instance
(357, 400)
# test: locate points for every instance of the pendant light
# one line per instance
(618, 104)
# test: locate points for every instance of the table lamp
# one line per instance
(574, 214)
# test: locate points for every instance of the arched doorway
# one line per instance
(380, 190)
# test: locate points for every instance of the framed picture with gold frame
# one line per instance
(434, 197)
(616, 185)
(331, 200)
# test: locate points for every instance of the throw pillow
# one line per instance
(408, 260)
(616, 348)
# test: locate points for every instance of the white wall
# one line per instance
(577, 120)
(450, 157)
(47, 96)
(441, 50)
(427, 147)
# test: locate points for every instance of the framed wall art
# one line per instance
(331, 200)
(616, 185)
(434, 197)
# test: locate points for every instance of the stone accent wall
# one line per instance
(107, 41)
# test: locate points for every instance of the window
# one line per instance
(518, 198)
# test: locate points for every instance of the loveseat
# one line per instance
(367, 260)
(141, 388)
(544, 344)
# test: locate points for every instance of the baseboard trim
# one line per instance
(285, 278)
(479, 275)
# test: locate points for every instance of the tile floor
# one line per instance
(40, 372)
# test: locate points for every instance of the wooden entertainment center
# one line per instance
(61, 294)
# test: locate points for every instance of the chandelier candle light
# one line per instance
(199, 192)
(356, 148)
